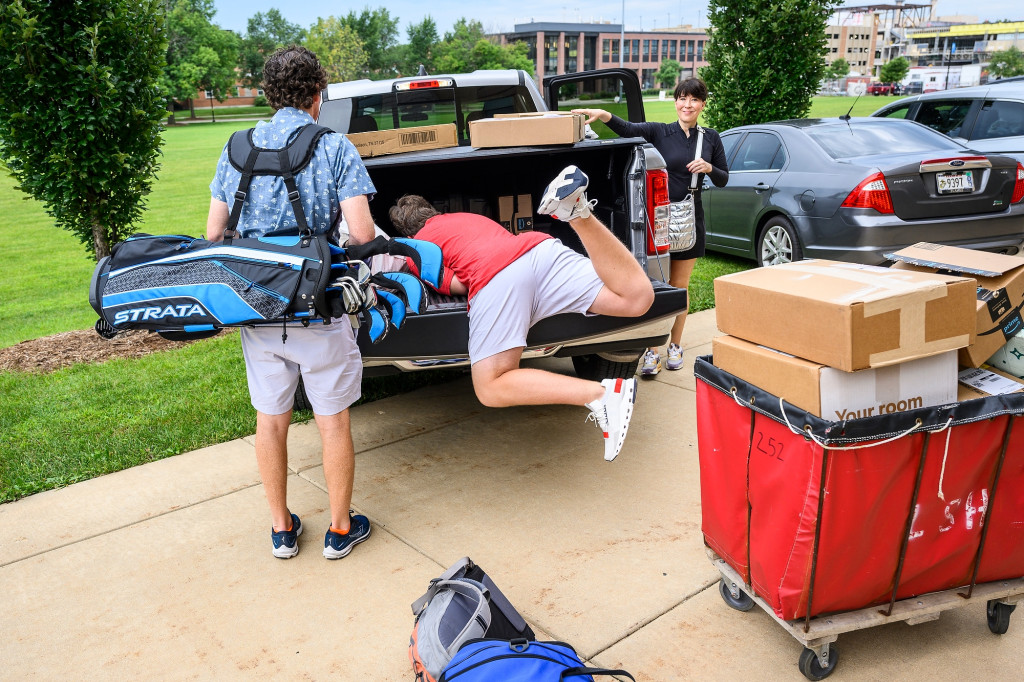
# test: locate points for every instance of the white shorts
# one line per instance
(326, 355)
(547, 280)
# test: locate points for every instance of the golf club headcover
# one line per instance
(405, 286)
(378, 324)
(394, 306)
(373, 247)
(426, 256)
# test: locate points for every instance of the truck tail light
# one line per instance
(1018, 187)
(657, 212)
(871, 193)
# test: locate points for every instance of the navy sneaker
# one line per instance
(286, 542)
(337, 545)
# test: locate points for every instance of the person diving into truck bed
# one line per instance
(514, 281)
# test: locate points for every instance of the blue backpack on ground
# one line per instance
(519, 660)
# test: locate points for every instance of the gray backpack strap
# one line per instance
(700, 149)
(502, 602)
(452, 571)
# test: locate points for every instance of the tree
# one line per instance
(80, 110)
(200, 55)
(1007, 63)
(668, 75)
(339, 49)
(466, 48)
(765, 60)
(840, 68)
(264, 34)
(379, 35)
(894, 70)
(420, 48)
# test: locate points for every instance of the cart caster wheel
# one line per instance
(999, 616)
(810, 666)
(741, 603)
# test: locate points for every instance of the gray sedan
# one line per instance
(856, 189)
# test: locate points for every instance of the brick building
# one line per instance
(558, 48)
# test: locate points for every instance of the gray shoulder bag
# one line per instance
(682, 223)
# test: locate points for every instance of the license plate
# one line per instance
(955, 182)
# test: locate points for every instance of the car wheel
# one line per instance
(777, 243)
(598, 367)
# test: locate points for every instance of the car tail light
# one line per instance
(657, 212)
(1018, 187)
(872, 193)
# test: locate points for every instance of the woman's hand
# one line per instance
(594, 115)
(699, 166)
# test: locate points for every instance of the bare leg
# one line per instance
(679, 277)
(339, 464)
(627, 291)
(272, 459)
(499, 381)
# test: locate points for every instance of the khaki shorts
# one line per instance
(326, 356)
(547, 280)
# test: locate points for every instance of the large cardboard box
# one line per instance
(982, 382)
(845, 315)
(524, 213)
(1000, 290)
(837, 395)
(524, 130)
(381, 142)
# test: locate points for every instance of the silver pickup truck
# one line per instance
(627, 178)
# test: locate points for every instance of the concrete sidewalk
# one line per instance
(164, 571)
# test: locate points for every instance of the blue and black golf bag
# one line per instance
(184, 287)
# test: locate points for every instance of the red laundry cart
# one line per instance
(809, 517)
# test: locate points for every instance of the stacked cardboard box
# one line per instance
(381, 142)
(521, 130)
(842, 340)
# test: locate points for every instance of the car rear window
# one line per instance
(866, 138)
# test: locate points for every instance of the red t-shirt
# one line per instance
(476, 248)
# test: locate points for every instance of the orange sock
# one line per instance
(339, 532)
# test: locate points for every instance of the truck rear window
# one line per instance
(423, 107)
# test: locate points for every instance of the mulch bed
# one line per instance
(55, 352)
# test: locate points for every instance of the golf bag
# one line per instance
(185, 287)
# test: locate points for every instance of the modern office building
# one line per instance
(558, 48)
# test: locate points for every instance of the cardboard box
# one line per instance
(381, 142)
(837, 395)
(845, 315)
(507, 212)
(524, 130)
(1000, 291)
(982, 382)
(524, 213)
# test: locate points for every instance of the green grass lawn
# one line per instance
(87, 420)
(821, 107)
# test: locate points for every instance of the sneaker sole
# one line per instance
(331, 553)
(627, 415)
(285, 552)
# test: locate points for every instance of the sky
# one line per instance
(500, 17)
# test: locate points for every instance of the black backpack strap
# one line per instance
(285, 163)
(251, 156)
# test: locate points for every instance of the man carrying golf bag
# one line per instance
(334, 183)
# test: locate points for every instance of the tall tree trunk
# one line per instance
(191, 107)
(100, 243)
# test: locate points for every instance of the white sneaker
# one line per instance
(651, 364)
(612, 413)
(565, 197)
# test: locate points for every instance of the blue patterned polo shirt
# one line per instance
(335, 173)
